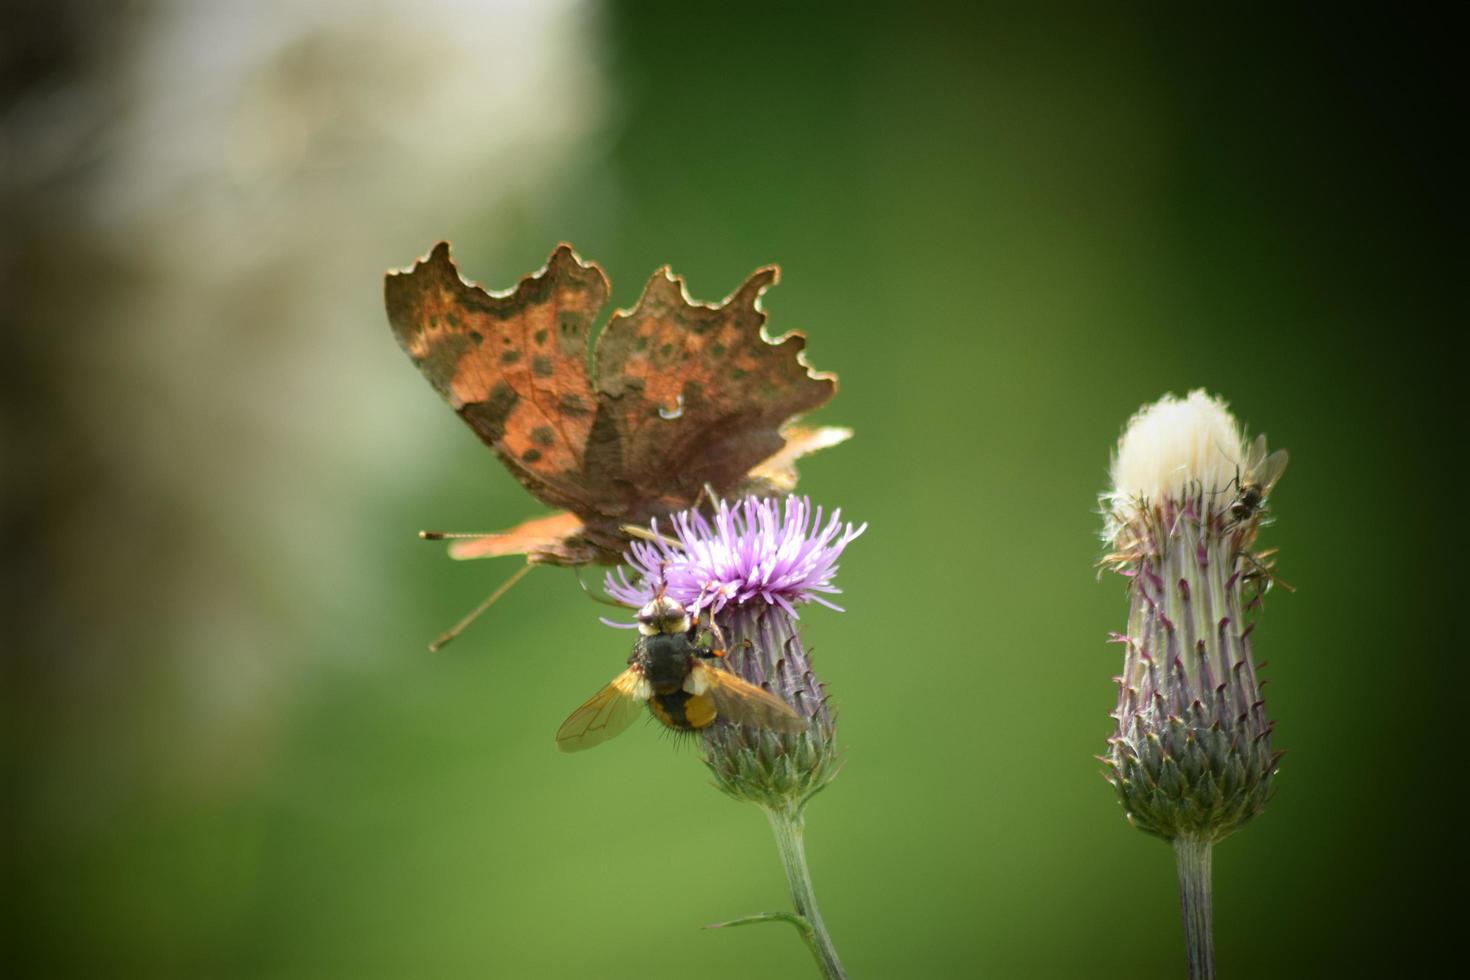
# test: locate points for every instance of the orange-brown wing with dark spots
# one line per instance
(698, 393)
(513, 365)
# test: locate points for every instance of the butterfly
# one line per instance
(672, 399)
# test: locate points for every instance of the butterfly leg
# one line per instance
(577, 571)
(706, 493)
(475, 613)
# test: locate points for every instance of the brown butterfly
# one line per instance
(679, 396)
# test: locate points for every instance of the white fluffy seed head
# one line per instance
(1175, 444)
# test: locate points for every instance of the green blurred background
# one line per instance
(225, 749)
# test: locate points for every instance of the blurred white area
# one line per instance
(244, 118)
(214, 202)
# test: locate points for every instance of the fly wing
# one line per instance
(1270, 471)
(607, 713)
(1253, 457)
(738, 701)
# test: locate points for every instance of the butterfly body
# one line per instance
(682, 683)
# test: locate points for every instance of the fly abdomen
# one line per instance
(682, 710)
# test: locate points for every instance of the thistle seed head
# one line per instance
(1191, 749)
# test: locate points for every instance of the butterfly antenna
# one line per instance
(475, 613)
(577, 571)
(451, 535)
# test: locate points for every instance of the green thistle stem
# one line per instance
(1193, 856)
(787, 825)
(779, 772)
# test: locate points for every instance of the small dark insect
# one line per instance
(680, 681)
(1254, 479)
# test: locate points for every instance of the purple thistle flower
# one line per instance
(748, 567)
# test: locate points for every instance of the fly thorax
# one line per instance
(666, 660)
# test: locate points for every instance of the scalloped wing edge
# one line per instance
(442, 251)
(757, 284)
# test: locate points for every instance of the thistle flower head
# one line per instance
(1190, 755)
(754, 551)
(748, 568)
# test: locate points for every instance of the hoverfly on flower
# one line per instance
(681, 682)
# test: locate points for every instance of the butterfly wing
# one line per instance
(606, 714)
(513, 365)
(778, 473)
(556, 539)
(698, 393)
(739, 701)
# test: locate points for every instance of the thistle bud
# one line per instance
(1191, 754)
(757, 765)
